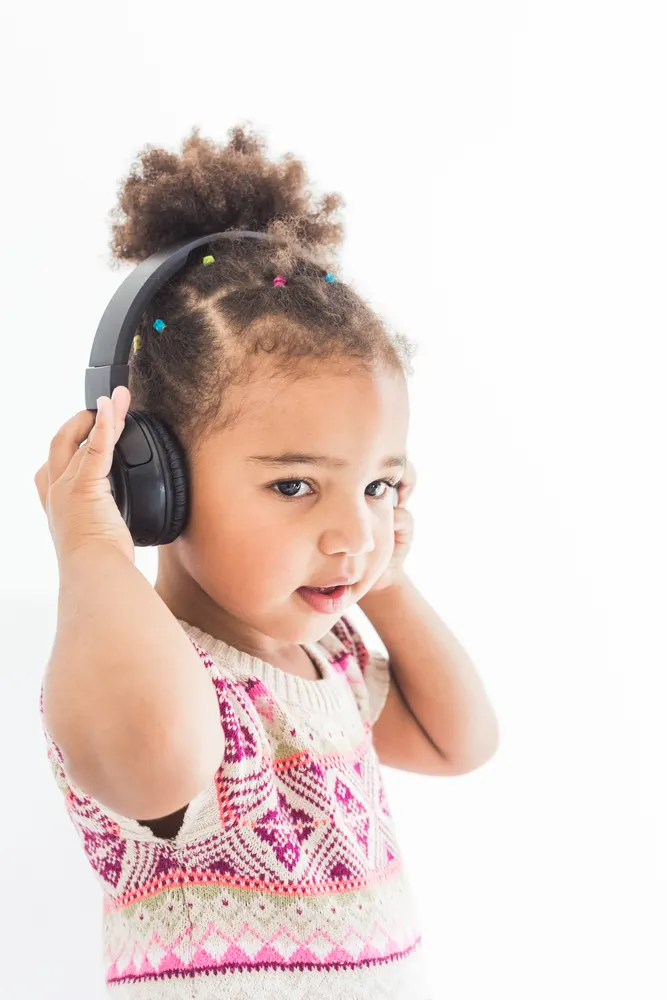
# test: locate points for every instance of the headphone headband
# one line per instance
(110, 353)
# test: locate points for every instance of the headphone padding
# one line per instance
(176, 480)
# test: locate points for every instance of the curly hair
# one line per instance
(222, 318)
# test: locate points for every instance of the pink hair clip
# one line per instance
(280, 280)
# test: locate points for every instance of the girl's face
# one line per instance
(264, 524)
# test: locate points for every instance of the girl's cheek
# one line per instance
(386, 544)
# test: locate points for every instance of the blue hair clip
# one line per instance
(330, 277)
(159, 325)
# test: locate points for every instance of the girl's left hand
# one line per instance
(403, 532)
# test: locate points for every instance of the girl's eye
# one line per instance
(386, 485)
(290, 485)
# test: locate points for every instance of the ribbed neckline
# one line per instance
(329, 693)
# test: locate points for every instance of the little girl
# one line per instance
(217, 736)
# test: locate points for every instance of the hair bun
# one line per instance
(210, 188)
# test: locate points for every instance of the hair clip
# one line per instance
(280, 280)
(330, 277)
(208, 259)
(136, 343)
(159, 325)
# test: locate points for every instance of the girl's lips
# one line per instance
(326, 604)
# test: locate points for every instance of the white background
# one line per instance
(504, 170)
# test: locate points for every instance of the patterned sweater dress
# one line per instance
(285, 880)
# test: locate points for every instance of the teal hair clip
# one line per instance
(330, 277)
(159, 325)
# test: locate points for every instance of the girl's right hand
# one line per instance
(73, 486)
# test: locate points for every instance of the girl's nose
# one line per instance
(349, 531)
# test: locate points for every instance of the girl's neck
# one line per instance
(187, 601)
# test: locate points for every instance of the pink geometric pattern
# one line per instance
(287, 863)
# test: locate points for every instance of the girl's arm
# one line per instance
(126, 696)
(437, 718)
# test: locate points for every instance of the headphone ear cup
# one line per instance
(149, 480)
(176, 479)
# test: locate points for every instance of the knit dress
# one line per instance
(285, 880)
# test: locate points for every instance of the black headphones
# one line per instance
(148, 476)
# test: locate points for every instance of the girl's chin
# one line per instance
(300, 623)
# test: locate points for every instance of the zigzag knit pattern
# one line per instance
(285, 881)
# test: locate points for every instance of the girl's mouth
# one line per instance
(326, 601)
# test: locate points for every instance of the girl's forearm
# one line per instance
(435, 674)
(126, 697)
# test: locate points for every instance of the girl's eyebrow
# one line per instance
(300, 458)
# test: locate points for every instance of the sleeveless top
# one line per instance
(285, 881)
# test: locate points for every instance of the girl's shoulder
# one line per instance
(347, 638)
